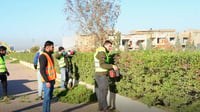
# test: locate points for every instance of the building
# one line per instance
(85, 43)
(69, 43)
(189, 35)
(160, 38)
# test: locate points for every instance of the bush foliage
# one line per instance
(34, 49)
(76, 95)
(155, 77)
(169, 79)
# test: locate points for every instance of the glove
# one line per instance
(7, 73)
(64, 53)
(35, 66)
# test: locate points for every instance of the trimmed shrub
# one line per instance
(76, 95)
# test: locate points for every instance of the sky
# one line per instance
(26, 23)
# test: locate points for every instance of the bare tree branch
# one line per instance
(94, 17)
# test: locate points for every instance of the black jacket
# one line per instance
(43, 64)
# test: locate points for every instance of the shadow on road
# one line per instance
(77, 107)
(17, 87)
(29, 107)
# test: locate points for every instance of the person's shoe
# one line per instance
(113, 108)
(41, 98)
(5, 98)
(100, 110)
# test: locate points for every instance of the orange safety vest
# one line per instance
(50, 69)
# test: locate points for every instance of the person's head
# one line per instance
(3, 50)
(61, 49)
(108, 45)
(49, 46)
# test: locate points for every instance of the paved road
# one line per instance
(22, 86)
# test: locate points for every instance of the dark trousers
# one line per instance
(3, 79)
(113, 91)
(101, 89)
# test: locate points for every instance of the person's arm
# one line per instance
(35, 61)
(7, 72)
(43, 64)
(101, 56)
(58, 55)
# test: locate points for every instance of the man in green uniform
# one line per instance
(3, 71)
(102, 66)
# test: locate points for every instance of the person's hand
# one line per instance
(35, 66)
(115, 67)
(48, 84)
(7, 73)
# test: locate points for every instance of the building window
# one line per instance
(171, 39)
(185, 39)
(124, 41)
(160, 41)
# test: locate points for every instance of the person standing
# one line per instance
(102, 66)
(62, 57)
(37, 67)
(48, 73)
(3, 72)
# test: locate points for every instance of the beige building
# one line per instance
(85, 43)
(160, 38)
(189, 35)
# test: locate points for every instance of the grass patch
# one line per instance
(25, 99)
(7, 101)
(14, 61)
(76, 95)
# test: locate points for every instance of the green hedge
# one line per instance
(158, 78)
(169, 79)
(83, 67)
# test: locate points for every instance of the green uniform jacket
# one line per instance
(101, 56)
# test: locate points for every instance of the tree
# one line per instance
(193, 45)
(34, 49)
(149, 44)
(141, 46)
(116, 41)
(190, 46)
(126, 47)
(177, 44)
(94, 17)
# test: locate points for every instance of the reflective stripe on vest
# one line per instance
(2, 65)
(61, 62)
(97, 64)
(50, 69)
